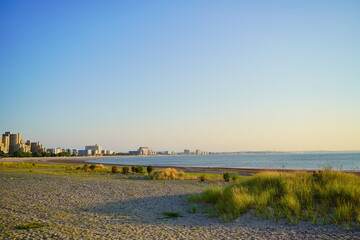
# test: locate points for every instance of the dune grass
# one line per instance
(168, 174)
(320, 197)
(31, 225)
(172, 173)
(171, 214)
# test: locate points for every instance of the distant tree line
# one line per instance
(35, 154)
(46, 154)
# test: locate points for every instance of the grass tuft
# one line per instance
(167, 174)
(31, 225)
(193, 209)
(172, 214)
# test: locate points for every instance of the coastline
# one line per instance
(213, 170)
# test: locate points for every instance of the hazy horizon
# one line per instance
(218, 76)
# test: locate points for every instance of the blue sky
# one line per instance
(214, 75)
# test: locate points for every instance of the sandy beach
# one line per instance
(76, 207)
(125, 207)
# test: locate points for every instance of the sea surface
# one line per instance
(298, 161)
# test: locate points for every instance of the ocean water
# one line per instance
(305, 161)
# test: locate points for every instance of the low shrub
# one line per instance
(96, 167)
(138, 169)
(133, 169)
(125, 170)
(235, 177)
(227, 176)
(168, 173)
(149, 169)
(86, 168)
(114, 169)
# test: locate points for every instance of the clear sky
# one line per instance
(213, 75)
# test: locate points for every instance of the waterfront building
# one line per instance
(186, 151)
(145, 151)
(142, 151)
(55, 150)
(5, 142)
(17, 144)
(37, 147)
(198, 152)
(75, 152)
(95, 149)
(169, 152)
(10, 143)
(85, 152)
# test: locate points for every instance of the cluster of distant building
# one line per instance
(11, 143)
(92, 150)
(142, 151)
(196, 152)
(147, 151)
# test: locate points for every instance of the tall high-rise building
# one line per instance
(145, 151)
(10, 143)
(55, 150)
(5, 142)
(18, 144)
(37, 147)
(186, 151)
(95, 149)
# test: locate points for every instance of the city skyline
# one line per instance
(219, 76)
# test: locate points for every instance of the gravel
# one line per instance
(103, 207)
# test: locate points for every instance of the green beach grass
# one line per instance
(321, 197)
(103, 171)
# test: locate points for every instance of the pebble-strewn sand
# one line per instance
(78, 207)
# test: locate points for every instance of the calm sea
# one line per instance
(337, 161)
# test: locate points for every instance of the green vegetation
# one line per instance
(125, 170)
(150, 169)
(99, 169)
(54, 169)
(323, 196)
(31, 225)
(235, 177)
(172, 214)
(137, 169)
(64, 154)
(193, 209)
(227, 176)
(21, 154)
(204, 176)
(114, 169)
(167, 174)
